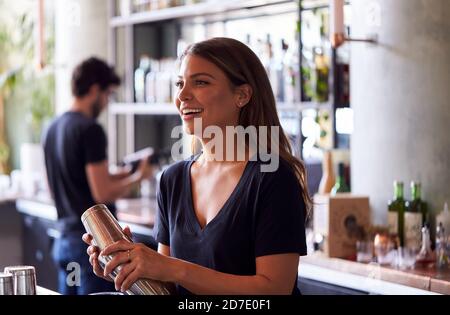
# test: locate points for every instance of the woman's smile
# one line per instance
(191, 113)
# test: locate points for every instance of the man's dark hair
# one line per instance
(90, 72)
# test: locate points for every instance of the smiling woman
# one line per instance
(223, 227)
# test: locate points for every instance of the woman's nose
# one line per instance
(184, 94)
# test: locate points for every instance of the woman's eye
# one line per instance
(200, 82)
(179, 84)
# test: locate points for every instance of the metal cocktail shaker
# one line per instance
(105, 230)
(24, 279)
(6, 284)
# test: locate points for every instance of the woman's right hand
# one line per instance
(93, 252)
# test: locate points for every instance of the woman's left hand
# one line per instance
(137, 261)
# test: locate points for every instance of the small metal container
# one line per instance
(24, 279)
(6, 284)
(105, 230)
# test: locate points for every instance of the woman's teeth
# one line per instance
(192, 111)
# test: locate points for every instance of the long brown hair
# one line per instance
(242, 66)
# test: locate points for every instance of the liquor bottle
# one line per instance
(396, 211)
(163, 83)
(442, 247)
(142, 5)
(125, 8)
(415, 217)
(293, 89)
(280, 72)
(321, 73)
(307, 70)
(139, 78)
(271, 65)
(444, 218)
(341, 184)
(289, 75)
(425, 255)
(151, 82)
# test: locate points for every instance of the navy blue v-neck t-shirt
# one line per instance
(264, 215)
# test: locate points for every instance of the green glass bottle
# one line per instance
(341, 185)
(396, 211)
(416, 215)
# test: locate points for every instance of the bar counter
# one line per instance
(371, 278)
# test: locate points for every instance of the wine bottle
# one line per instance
(415, 217)
(341, 184)
(396, 211)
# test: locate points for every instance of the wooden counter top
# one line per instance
(139, 214)
(429, 279)
(137, 211)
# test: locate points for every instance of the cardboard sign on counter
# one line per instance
(342, 220)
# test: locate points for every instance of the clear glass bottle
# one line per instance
(150, 82)
(442, 250)
(280, 72)
(444, 217)
(271, 65)
(139, 78)
(425, 256)
(163, 83)
(125, 8)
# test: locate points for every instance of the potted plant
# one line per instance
(16, 49)
(27, 88)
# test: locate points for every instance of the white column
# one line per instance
(401, 100)
(81, 32)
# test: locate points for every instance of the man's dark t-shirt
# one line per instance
(265, 215)
(72, 141)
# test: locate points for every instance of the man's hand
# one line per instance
(145, 170)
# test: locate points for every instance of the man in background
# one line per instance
(75, 147)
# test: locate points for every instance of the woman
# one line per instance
(223, 227)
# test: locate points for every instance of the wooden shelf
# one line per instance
(170, 109)
(193, 10)
(143, 109)
(299, 107)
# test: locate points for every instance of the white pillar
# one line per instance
(401, 99)
(81, 32)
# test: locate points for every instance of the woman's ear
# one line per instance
(244, 93)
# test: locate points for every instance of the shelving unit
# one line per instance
(215, 7)
(299, 107)
(199, 9)
(126, 54)
(170, 109)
